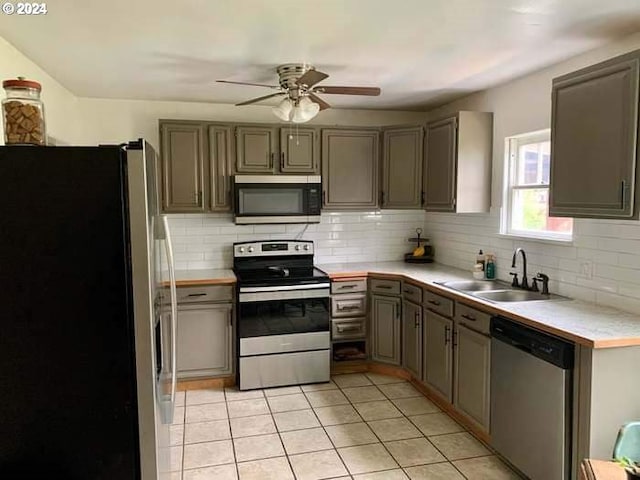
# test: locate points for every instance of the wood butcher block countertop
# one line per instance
(186, 278)
(582, 322)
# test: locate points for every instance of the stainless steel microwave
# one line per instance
(277, 199)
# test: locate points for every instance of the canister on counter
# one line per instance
(23, 113)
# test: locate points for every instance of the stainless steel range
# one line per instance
(283, 314)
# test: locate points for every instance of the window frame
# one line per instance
(512, 144)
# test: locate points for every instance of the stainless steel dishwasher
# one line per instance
(531, 382)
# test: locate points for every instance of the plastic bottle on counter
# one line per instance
(490, 268)
(480, 259)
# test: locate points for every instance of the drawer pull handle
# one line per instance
(349, 328)
(407, 291)
(196, 295)
(348, 307)
(434, 302)
(468, 317)
(386, 287)
(342, 287)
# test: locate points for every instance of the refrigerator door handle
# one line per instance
(174, 306)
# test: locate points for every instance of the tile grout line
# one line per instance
(286, 455)
(233, 444)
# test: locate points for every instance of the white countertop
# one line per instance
(585, 323)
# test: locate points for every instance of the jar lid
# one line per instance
(21, 82)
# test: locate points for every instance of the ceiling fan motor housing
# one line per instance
(290, 72)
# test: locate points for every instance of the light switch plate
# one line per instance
(586, 269)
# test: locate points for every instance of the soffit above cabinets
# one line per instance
(421, 53)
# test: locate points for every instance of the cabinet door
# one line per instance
(402, 168)
(473, 365)
(350, 168)
(182, 167)
(205, 340)
(438, 352)
(255, 149)
(412, 338)
(593, 141)
(440, 166)
(299, 150)
(220, 158)
(385, 326)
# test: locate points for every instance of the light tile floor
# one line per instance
(358, 426)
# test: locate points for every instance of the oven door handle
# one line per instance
(286, 295)
(285, 288)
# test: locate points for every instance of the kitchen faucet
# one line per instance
(524, 283)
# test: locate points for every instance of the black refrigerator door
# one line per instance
(67, 364)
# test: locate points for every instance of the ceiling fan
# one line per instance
(298, 85)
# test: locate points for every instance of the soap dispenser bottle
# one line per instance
(490, 270)
(480, 259)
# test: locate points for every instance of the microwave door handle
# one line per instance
(174, 306)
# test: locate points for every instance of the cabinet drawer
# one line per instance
(210, 293)
(472, 318)
(438, 303)
(349, 286)
(349, 328)
(348, 305)
(385, 287)
(412, 292)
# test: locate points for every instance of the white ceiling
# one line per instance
(420, 52)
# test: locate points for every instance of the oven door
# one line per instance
(269, 313)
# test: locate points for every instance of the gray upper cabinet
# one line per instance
(457, 173)
(402, 168)
(594, 141)
(385, 329)
(350, 168)
(220, 162)
(299, 150)
(412, 338)
(438, 352)
(256, 149)
(183, 159)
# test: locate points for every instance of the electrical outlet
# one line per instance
(586, 269)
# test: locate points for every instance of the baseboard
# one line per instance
(202, 383)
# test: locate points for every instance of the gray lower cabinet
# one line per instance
(402, 168)
(412, 338)
(385, 329)
(472, 374)
(256, 149)
(182, 167)
(438, 352)
(594, 141)
(350, 168)
(205, 340)
(457, 173)
(299, 150)
(195, 167)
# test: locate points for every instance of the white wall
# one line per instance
(205, 241)
(115, 121)
(521, 106)
(61, 106)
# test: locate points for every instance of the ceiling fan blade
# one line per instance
(246, 83)
(323, 105)
(371, 91)
(311, 77)
(259, 99)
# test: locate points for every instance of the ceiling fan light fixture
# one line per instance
(283, 110)
(304, 111)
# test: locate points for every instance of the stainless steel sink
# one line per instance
(468, 286)
(515, 296)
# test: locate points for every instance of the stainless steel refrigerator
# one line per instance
(88, 315)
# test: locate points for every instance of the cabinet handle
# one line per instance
(324, 197)
(271, 160)
(407, 291)
(468, 317)
(447, 331)
(349, 328)
(623, 197)
(196, 295)
(433, 302)
(417, 320)
(455, 338)
(381, 199)
(348, 308)
(422, 198)
(342, 287)
(397, 312)
(386, 287)
(282, 161)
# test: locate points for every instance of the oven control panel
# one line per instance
(273, 247)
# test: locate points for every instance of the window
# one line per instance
(527, 192)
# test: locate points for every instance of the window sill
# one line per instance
(549, 240)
